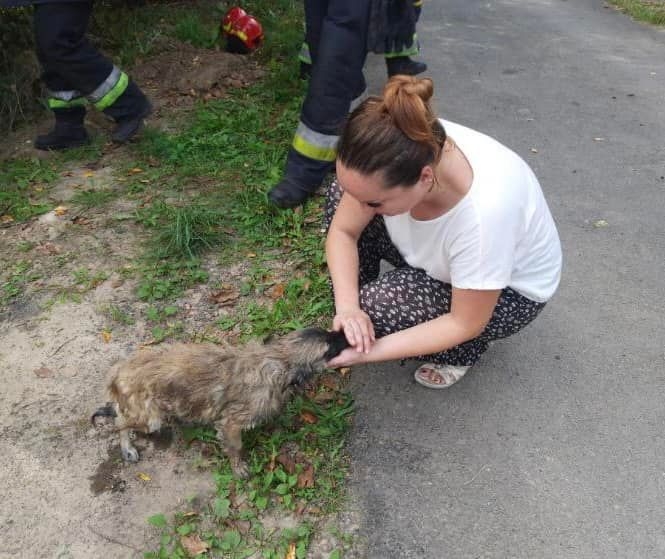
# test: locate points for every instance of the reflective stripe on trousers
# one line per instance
(102, 97)
(109, 90)
(315, 145)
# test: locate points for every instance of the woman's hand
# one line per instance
(357, 327)
(347, 358)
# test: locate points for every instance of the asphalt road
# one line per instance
(553, 446)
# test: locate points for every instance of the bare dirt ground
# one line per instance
(64, 490)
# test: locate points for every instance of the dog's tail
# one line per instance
(105, 411)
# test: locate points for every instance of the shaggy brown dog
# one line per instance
(234, 388)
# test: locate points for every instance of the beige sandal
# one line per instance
(436, 376)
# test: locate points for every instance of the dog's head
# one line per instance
(308, 350)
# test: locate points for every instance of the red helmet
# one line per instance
(243, 32)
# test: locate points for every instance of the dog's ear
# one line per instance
(337, 343)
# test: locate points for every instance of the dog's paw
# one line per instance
(130, 454)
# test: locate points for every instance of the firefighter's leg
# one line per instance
(401, 62)
(337, 80)
(60, 33)
(66, 102)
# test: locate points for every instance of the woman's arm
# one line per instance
(470, 312)
(348, 223)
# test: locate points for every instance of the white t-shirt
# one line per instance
(501, 234)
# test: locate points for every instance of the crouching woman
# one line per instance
(462, 219)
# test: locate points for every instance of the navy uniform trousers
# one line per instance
(336, 33)
(74, 72)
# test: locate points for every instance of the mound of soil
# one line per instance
(182, 73)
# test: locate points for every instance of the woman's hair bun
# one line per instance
(406, 99)
(408, 85)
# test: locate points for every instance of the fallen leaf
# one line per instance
(330, 382)
(80, 220)
(194, 545)
(308, 417)
(106, 336)
(600, 223)
(44, 372)
(88, 174)
(344, 371)
(599, 139)
(534, 150)
(291, 553)
(276, 291)
(306, 477)
(143, 477)
(251, 255)
(135, 170)
(60, 210)
(145, 181)
(226, 295)
(287, 462)
(6, 218)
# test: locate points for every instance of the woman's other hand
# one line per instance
(357, 327)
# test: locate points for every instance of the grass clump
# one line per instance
(23, 188)
(184, 231)
(650, 11)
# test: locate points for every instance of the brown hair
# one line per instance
(396, 134)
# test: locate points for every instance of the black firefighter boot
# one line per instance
(129, 113)
(404, 65)
(68, 132)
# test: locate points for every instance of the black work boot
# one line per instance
(404, 65)
(289, 194)
(127, 127)
(67, 133)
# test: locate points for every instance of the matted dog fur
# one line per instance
(234, 388)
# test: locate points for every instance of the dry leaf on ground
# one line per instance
(306, 477)
(276, 291)
(226, 295)
(194, 545)
(308, 417)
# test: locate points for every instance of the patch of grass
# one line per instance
(650, 11)
(183, 231)
(23, 189)
(93, 198)
(120, 315)
(196, 31)
(86, 279)
(167, 279)
(18, 276)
